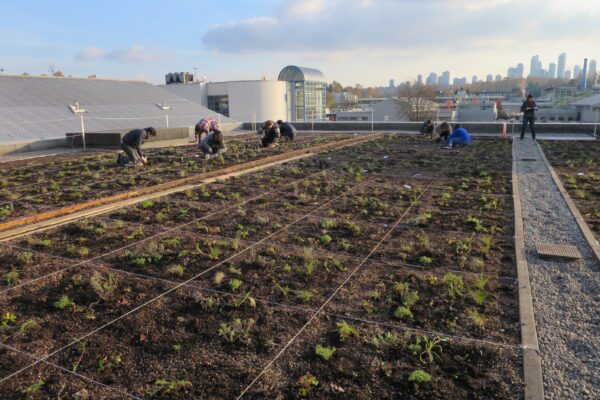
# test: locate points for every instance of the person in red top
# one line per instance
(528, 109)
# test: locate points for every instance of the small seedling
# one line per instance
(324, 352)
(163, 386)
(218, 278)
(11, 277)
(109, 363)
(177, 270)
(431, 345)
(476, 317)
(304, 295)
(284, 290)
(346, 331)
(419, 376)
(104, 285)
(325, 239)
(425, 260)
(34, 388)
(26, 327)
(234, 284)
(455, 284)
(214, 253)
(307, 382)
(8, 318)
(25, 258)
(402, 312)
(64, 302)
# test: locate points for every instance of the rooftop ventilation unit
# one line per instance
(178, 77)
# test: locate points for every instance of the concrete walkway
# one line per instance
(566, 295)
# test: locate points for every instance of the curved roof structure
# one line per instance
(292, 73)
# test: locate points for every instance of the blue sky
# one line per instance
(366, 41)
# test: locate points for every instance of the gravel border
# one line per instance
(565, 294)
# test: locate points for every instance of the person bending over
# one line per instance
(427, 128)
(287, 130)
(442, 132)
(460, 137)
(269, 134)
(206, 126)
(132, 146)
(212, 145)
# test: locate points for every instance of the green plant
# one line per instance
(384, 340)
(163, 386)
(476, 224)
(34, 387)
(218, 278)
(24, 258)
(46, 243)
(146, 204)
(104, 285)
(234, 284)
(214, 253)
(454, 283)
(246, 299)
(402, 312)
(325, 239)
(6, 211)
(177, 270)
(346, 331)
(109, 363)
(486, 245)
(11, 277)
(328, 223)
(304, 295)
(419, 376)
(425, 260)
(27, 327)
(64, 302)
(307, 382)
(430, 347)
(284, 290)
(324, 352)
(8, 318)
(476, 318)
(237, 329)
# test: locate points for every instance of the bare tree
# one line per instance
(417, 101)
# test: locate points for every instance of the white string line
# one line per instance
(289, 343)
(38, 122)
(167, 292)
(178, 227)
(84, 377)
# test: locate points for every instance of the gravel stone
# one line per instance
(566, 295)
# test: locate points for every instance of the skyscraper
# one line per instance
(552, 71)
(392, 83)
(420, 79)
(567, 75)
(534, 67)
(498, 78)
(593, 73)
(445, 78)
(562, 62)
(576, 71)
(474, 79)
(431, 79)
(520, 70)
(489, 78)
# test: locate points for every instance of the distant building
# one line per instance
(576, 71)
(593, 71)
(431, 79)
(445, 78)
(498, 78)
(489, 78)
(535, 67)
(474, 79)
(520, 70)
(552, 70)
(344, 98)
(306, 93)
(457, 82)
(562, 62)
(392, 84)
(567, 75)
(588, 108)
(420, 79)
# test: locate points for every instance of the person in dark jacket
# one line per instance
(206, 126)
(442, 132)
(427, 128)
(287, 130)
(460, 137)
(528, 109)
(212, 145)
(269, 134)
(132, 145)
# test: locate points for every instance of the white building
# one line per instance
(298, 95)
(588, 108)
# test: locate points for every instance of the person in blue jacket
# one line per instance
(460, 137)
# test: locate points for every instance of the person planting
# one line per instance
(442, 132)
(212, 145)
(460, 137)
(206, 126)
(427, 128)
(132, 146)
(287, 130)
(269, 134)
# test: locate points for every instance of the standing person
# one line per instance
(132, 145)
(460, 137)
(206, 126)
(442, 132)
(287, 130)
(212, 145)
(427, 128)
(270, 134)
(528, 109)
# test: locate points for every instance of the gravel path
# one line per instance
(566, 295)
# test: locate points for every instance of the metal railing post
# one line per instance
(82, 132)
(596, 124)
(372, 119)
(254, 121)
(167, 119)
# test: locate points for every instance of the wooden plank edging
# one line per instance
(585, 229)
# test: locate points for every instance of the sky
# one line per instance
(351, 41)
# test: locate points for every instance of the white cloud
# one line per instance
(135, 53)
(90, 53)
